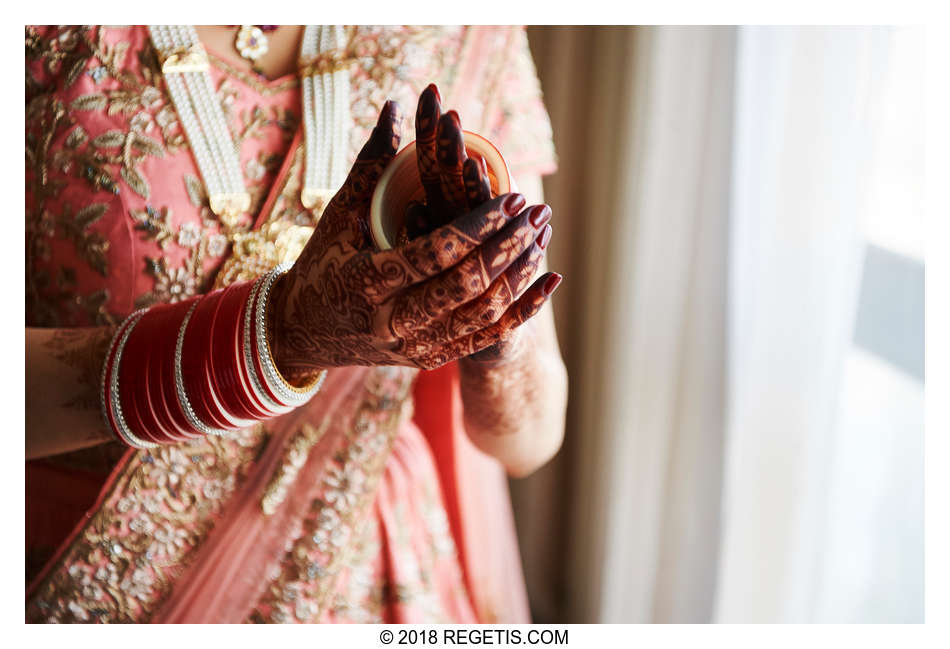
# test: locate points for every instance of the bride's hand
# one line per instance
(454, 184)
(423, 304)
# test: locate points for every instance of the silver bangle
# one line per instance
(256, 380)
(183, 401)
(289, 394)
(121, 428)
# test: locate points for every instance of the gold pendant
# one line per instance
(251, 42)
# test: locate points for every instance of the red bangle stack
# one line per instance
(178, 371)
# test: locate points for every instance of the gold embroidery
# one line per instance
(162, 505)
(335, 521)
(294, 458)
(252, 80)
(327, 62)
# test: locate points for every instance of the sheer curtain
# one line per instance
(732, 453)
(810, 118)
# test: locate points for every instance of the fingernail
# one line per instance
(551, 283)
(540, 214)
(544, 237)
(454, 116)
(434, 88)
(390, 114)
(513, 204)
(386, 113)
(428, 112)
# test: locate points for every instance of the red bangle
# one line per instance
(226, 356)
(167, 320)
(193, 366)
(108, 404)
(133, 386)
(169, 384)
(150, 389)
(214, 393)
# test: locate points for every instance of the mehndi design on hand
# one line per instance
(454, 184)
(422, 304)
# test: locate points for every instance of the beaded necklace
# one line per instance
(326, 116)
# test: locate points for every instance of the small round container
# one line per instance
(400, 185)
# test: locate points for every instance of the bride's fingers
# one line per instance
(380, 275)
(525, 308)
(418, 220)
(428, 113)
(471, 277)
(378, 151)
(488, 308)
(451, 155)
(343, 218)
(477, 187)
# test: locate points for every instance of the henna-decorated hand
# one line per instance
(423, 304)
(455, 184)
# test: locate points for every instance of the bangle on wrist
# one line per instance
(177, 372)
(282, 389)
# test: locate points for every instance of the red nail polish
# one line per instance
(544, 237)
(434, 88)
(551, 283)
(513, 203)
(540, 214)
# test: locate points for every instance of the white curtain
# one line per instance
(731, 455)
(810, 118)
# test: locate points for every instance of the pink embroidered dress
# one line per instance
(368, 504)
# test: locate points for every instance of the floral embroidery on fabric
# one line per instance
(163, 503)
(309, 569)
(117, 218)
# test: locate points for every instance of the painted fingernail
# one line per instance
(389, 113)
(551, 283)
(428, 113)
(540, 214)
(434, 88)
(513, 204)
(544, 237)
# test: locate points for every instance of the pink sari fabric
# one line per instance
(348, 509)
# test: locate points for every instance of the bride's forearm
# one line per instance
(514, 407)
(63, 369)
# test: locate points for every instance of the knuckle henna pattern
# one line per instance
(457, 287)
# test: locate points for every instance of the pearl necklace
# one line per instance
(326, 116)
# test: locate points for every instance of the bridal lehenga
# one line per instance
(368, 504)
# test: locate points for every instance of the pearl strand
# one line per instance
(326, 117)
(204, 123)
